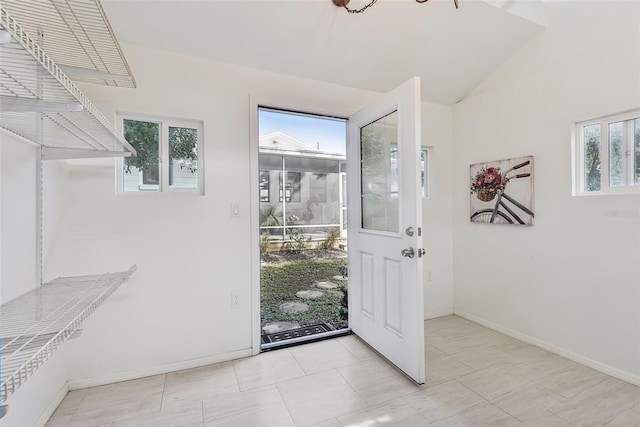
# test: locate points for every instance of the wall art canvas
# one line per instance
(502, 191)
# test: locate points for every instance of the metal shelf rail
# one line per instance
(34, 325)
(39, 103)
(77, 35)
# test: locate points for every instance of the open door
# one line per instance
(385, 212)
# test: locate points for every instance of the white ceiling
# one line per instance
(451, 50)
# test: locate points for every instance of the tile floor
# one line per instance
(475, 377)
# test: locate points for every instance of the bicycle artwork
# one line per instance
(502, 191)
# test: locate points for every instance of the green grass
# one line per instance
(280, 281)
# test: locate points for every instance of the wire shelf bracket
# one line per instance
(34, 325)
(40, 103)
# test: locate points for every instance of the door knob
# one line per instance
(409, 252)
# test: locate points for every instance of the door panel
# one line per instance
(393, 296)
(385, 287)
(366, 304)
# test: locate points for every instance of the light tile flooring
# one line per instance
(475, 377)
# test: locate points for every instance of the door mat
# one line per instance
(297, 333)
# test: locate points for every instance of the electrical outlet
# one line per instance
(235, 300)
(429, 276)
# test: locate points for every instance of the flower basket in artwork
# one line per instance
(486, 183)
(486, 195)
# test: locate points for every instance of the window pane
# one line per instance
(323, 203)
(424, 157)
(291, 188)
(141, 173)
(264, 186)
(183, 157)
(591, 149)
(271, 210)
(379, 171)
(343, 183)
(317, 188)
(617, 152)
(636, 144)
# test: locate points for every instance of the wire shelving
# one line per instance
(34, 325)
(41, 104)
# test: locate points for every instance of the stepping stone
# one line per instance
(339, 278)
(309, 294)
(326, 285)
(294, 307)
(275, 327)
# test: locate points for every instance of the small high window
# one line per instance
(169, 155)
(424, 171)
(607, 155)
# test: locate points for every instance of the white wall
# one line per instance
(572, 281)
(37, 398)
(18, 218)
(191, 255)
(437, 128)
(55, 185)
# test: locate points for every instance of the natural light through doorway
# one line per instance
(303, 226)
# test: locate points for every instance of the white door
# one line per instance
(385, 211)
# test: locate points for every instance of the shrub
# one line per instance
(344, 302)
(297, 242)
(264, 242)
(331, 239)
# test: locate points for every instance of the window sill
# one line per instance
(635, 191)
(170, 193)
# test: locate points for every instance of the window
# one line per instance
(424, 171)
(169, 155)
(264, 186)
(607, 157)
(291, 188)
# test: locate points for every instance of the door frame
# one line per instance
(286, 104)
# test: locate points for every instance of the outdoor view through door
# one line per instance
(303, 226)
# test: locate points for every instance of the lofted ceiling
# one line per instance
(451, 50)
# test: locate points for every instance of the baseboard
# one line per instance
(53, 405)
(157, 370)
(598, 366)
(438, 313)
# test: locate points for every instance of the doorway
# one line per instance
(302, 226)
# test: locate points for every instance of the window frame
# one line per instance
(578, 154)
(164, 124)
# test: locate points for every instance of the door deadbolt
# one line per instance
(410, 231)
